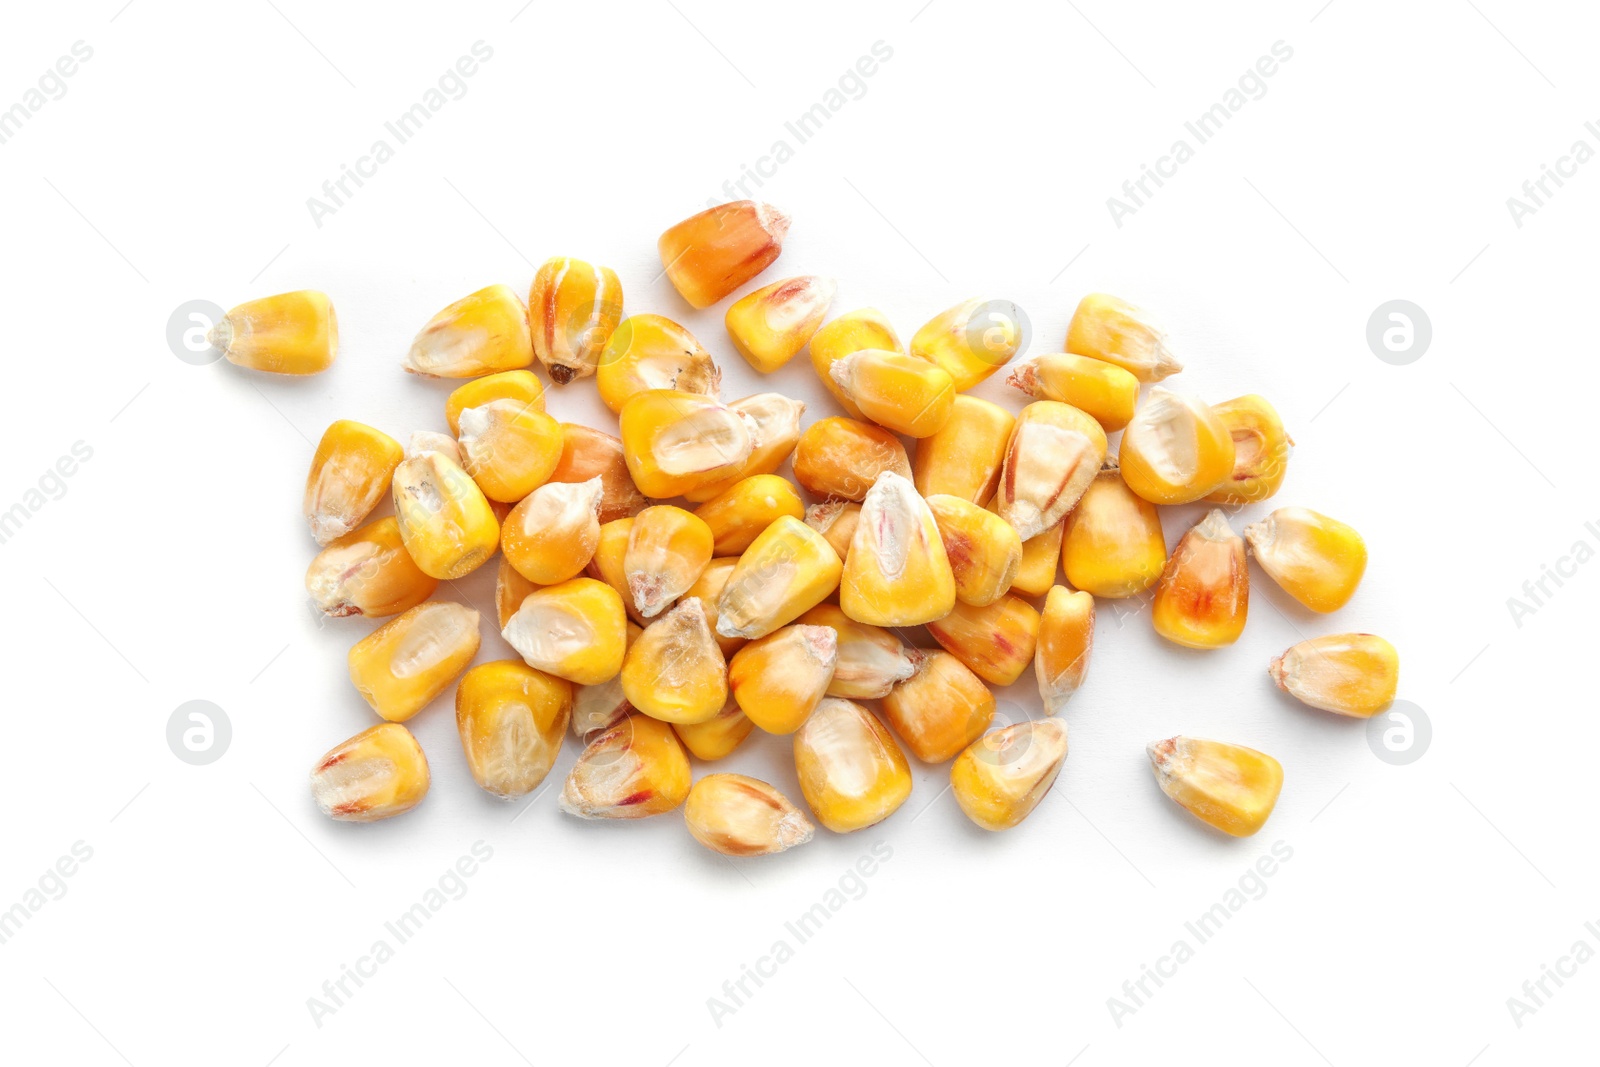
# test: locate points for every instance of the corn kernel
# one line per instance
(675, 671)
(1317, 560)
(607, 563)
(483, 333)
(996, 642)
(1104, 390)
(851, 332)
(676, 442)
(740, 816)
(1041, 557)
(787, 570)
(1066, 637)
(291, 333)
(553, 533)
(983, 550)
(402, 665)
(1176, 450)
(1115, 331)
(510, 590)
(718, 736)
(870, 660)
(939, 710)
(349, 474)
(668, 548)
(573, 308)
(586, 454)
(509, 448)
(851, 772)
(600, 707)
(779, 679)
(1230, 787)
(711, 254)
(897, 573)
(964, 458)
(632, 770)
(576, 630)
(900, 393)
(512, 720)
(972, 340)
(1054, 453)
(708, 587)
(423, 441)
(771, 325)
(1347, 674)
(773, 421)
(367, 572)
(445, 521)
(653, 352)
(1113, 546)
(1001, 778)
(835, 520)
(746, 508)
(1204, 594)
(379, 773)
(518, 385)
(1260, 450)
(841, 458)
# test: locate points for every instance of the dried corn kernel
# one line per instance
(1347, 674)
(897, 573)
(940, 709)
(510, 590)
(576, 630)
(972, 340)
(1054, 453)
(518, 385)
(1260, 450)
(1317, 560)
(711, 254)
(787, 570)
(746, 508)
(512, 720)
(379, 773)
(1113, 546)
(484, 333)
(553, 533)
(423, 441)
(851, 332)
(779, 679)
(983, 550)
(445, 521)
(996, 641)
(600, 707)
(509, 448)
(349, 474)
(1104, 390)
(718, 736)
(291, 333)
(870, 660)
(841, 458)
(1066, 637)
(632, 770)
(607, 563)
(964, 458)
(771, 325)
(740, 816)
(1176, 450)
(586, 454)
(402, 665)
(653, 352)
(1204, 594)
(573, 308)
(851, 772)
(1001, 778)
(774, 424)
(675, 671)
(901, 393)
(668, 548)
(1228, 786)
(367, 572)
(676, 442)
(708, 587)
(835, 520)
(1041, 557)
(1117, 332)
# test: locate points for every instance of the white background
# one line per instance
(1418, 898)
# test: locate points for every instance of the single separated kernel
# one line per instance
(553, 533)
(779, 679)
(898, 392)
(972, 340)
(1117, 332)
(668, 549)
(632, 770)
(774, 424)
(675, 442)
(512, 720)
(510, 590)
(600, 707)
(1204, 594)
(573, 308)
(1260, 450)
(576, 630)
(870, 660)
(896, 573)
(402, 665)
(675, 672)
(996, 641)
(377, 774)
(941, 709)
(841, 458)
(708, 587)
(653, 352)
(771, 325)
(1066, 637)
(1228, 786)
(422, 441)
(1113, 546)
(606, 564)
(367, 572)
(291, 333)
(851, 332)
(586, 454)
(718, 736)
(787, 570)
(711, 254)
(1317, 560)
(349, 474)
(1041, 558)
(1104, 390)
(836, 520)
(964, 458)
(1001, 778)
(509, 448)
(1347, 674)
(521, 386)
(483, 333)
(445, 520)
(1054, 453)
(851, 772)
(748, 506)
(983, 549)
(1176, 450)
(740, 816)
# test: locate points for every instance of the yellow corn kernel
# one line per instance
(576, 630)
(573, 308)
(402, 665)
(586, 454)
(600, 707)
(653, 352)
(740, 816)
(972, 340)
(749, 506)
(512, 720)
(553, 533)
(1066, 637)
(940, 709)
(851, 332)
(896, 573)
(773, 421)
(787, 570)
(835, 520)
(422, 441)
(1001, 778)
(676, 442)
(1176, 450)
(518, 385)
(1041, 556)
(1317, 560)
(870, 660)
(291, 333)
(607, 563)
(983, 550)
(483, 333)
(964, 458)
(901, 393)
(1231, 787)
(349, 474)
(771, 325)
(367, 572)
(378, 773)
(1347, 674)
(1054, 453)
(1113, 546)
(851, 771)
(708, 587)
(509, 448)
(718, 736)
(1117, 332)
(635, 769)
(996, 641)
(510, 590)
(711, 254)
(675, 671)
(1104, 390)
(445, 521)
(668, 549)
(1260, 450)
(840, 458)
(779, 679)
(1204, 593)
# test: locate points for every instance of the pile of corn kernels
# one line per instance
(650, 628)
